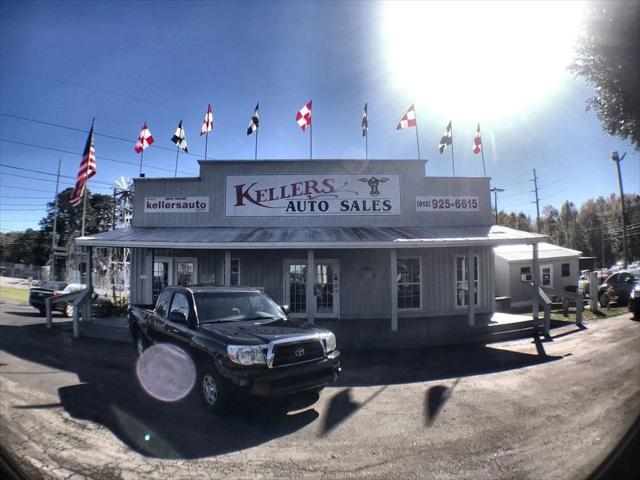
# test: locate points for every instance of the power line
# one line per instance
(50, 173)
(47, 180)
(57, 125)
(97, 157)
(26, 188)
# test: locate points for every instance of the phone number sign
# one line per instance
(447, 204)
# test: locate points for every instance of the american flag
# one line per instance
(87, 169)
(179, 138)
(365, 121)
(408, 119)
(254, 123)
(477, 142)
(144, 139)
(447, 138)
(303, 117)
(207, 123)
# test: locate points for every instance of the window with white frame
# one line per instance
(462, 281)
(235, 272)
(409, 283)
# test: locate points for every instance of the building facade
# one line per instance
(342, 241)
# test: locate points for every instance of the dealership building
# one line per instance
(368, 248)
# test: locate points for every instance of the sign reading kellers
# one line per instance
(284, 195)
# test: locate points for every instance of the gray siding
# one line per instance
(212, 179)
(360, 298)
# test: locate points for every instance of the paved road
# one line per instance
(73, 409)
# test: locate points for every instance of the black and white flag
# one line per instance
(179, 138)
(254, 123)
(446, 139)
(365, 121)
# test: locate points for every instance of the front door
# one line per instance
(326, 287)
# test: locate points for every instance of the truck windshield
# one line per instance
(235, 307)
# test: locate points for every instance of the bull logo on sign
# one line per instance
(374, 183)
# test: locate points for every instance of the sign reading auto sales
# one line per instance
(291, 195)
(176, 204)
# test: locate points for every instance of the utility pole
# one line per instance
(55, 225)
(537, 202)
(617, 159)
(495, 191)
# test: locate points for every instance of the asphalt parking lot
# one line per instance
(73, 408)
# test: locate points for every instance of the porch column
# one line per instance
(310, 283)
(393, 256)
(471, 284)
(227, 268)
(88, 312)
(535, 267)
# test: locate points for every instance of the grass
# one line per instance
(12, 294)
(558, 315)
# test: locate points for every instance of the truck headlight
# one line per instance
(330, 342)
(635, 293)
(246, 354)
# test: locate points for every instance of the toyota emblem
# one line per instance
(299, 352)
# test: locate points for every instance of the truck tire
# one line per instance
(68, 310)
(214, 391)
(139, 342)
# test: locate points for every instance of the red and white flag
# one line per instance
(86, 171)
(477, 142)
(303, 117)
(144, 139)
(408, 119)
(207, 123)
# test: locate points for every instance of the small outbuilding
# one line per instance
(558, 270)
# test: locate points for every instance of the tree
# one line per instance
(608, 57)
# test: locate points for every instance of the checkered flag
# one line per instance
(447, 138)
(207, 123)
(254, 123)
(179, 138)
(303, 117)
(145, 139)
(477, 142)
(408, 119)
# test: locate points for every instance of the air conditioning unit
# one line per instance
(526, 277)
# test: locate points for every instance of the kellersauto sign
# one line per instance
(176, 204)
(290, 195)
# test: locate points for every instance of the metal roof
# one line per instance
(546, 251)
(320, 237)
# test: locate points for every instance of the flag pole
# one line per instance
(86, 183)
(366, 144)
(417, 141)
(206, 143)
(141, 156)
(311, 136)
(255, 156)
(484, 170)
(453, 165)
(175, 174)
(55, 224)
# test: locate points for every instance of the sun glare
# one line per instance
(473, 61)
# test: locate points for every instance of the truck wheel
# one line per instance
(140, 343)
(68, 310)
(214, 390)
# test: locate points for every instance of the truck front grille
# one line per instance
(292, 353)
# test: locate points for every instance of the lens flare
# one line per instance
(473, 60)
(166, 372)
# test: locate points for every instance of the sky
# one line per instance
(123, 63)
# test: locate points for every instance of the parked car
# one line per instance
(240, 341)
(618, 287)
(634, 300)
(38, 295)
(101, 306)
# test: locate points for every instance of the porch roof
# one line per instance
(321, 237)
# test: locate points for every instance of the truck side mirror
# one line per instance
(285, 309)
(177, 317)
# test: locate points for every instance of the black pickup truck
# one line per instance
(239, 340)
